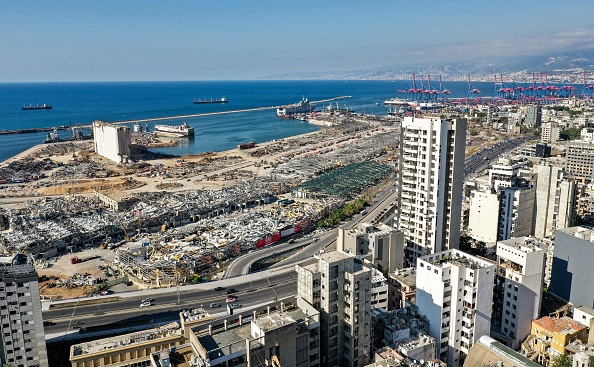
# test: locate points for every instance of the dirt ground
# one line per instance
(87, 186)
(63, 269)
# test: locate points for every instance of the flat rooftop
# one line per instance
(100, 345)
(406, 276)
(524, 244)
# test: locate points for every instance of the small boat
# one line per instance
(44, 106)
(179, 130)
(215, 100)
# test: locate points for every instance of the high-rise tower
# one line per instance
(430, 177)
(23, 340)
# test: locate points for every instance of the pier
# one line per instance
(124, 122)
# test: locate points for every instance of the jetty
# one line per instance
(124, 122)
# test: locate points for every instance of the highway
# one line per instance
(167, 304)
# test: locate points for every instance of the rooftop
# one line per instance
(274, 321)
(456, 257)
(585, 309)
(524, 244)
(169, 330)
(406, 276)
(561, 325)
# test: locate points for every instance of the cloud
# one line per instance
(573, 40)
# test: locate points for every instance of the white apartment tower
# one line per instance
(339, 286)
(23, 340)
(516, 212)
(555, 200)
(455, 292)
(483, 220)
(430, 179)
(518, 288)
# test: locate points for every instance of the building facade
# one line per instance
(455, 292)
(533, 116)
(483, 219)
(518, 288)
(572, 273)
(555, 200)
(430, 179)
(549, 133)
(579, 160)
(516, 212)
(339, 286)
(23, 338)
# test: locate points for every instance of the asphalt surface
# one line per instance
(166, 305)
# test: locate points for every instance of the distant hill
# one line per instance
(563, 68)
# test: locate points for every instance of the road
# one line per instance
(165, 304)
(482, 159)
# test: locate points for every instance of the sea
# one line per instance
(84, 102)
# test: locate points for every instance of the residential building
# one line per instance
(112, 141)
(455, 292)
(23, 339)
(549, 337)
(402, 288)
(483, 220)
(384, 244)
(533, 116)
(516, 212)
(517, 295)
(379, 290)
(504, 174)
(431, 173)
(579, 160)
(488, 352)
(339, 286)
(388, 357)
(572, 273)
(555, 200)
(549, 133)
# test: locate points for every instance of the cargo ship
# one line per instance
(44, 106)
(305, 106)
(179, 130)
(215, 100)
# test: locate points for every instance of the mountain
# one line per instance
(562, 68)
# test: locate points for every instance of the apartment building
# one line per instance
(572, 272)
(549, 133)
(23, 338)
(555, 200)
(579, 160)
(384, 244)
(431, 173)
(339, 285)
(455, 292)
(516, 212)
(483, 219)
(549, 336)
(518, 288)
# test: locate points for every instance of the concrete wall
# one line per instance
(572, 273)
(484, 214)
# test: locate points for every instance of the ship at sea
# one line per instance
(44, 106)
(215, 100)
(305, 106)
(179, 130)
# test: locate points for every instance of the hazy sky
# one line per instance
(204, 40)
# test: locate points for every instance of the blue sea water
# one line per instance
(82, 103)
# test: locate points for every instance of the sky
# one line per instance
(148, 40)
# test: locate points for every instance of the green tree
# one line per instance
(561, 361)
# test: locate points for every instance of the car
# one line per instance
(214, 305)
(147, 300)
(146, 304)
(231, 290)
(219, 289)
(235, 305)
(231, 299)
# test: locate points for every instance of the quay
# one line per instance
(123, 122)
(34, 130)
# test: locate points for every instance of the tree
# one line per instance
(561, 361)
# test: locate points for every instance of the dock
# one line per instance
(124, 122)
